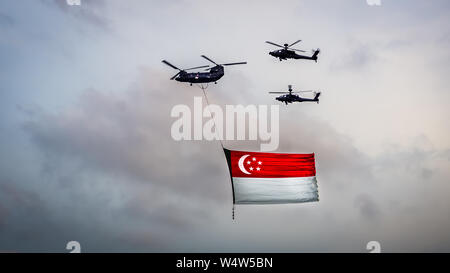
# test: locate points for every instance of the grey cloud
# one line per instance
(125, 134)
(111, 162)
(92, 12)
(127, 137)
(355, 58)
(368, 208)
(6, 20)
(105, 171)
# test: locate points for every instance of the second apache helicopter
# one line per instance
(213, 75)
(289, 53)
(290, 98)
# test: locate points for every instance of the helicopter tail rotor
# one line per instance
(315, 54)
(316, 96)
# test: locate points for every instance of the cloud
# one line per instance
(105, 171)
(6, 21)
(355, 58)
(113, 153)
(89, 11)
(368, 208)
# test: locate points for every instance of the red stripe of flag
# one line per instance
(271, 165)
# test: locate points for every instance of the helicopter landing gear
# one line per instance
(191, 84)
(215, 82)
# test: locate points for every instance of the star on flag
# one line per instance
(252, 165)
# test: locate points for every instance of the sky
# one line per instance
(85, 146)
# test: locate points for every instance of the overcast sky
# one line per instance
(85, 146)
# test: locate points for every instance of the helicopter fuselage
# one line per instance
(289, 98)
(284, 54)
(213, 75)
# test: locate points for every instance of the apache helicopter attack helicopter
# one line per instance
(290, 98)
(213, 75)
(289, 53)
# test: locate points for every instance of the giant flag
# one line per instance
(272, 178)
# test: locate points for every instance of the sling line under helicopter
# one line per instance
(203, 87)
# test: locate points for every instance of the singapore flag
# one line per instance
(272, 178)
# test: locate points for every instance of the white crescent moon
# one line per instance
(241, 164)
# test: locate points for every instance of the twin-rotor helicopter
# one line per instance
(213, 75)
(217, 71)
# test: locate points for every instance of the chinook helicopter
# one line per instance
(213, 75)
(290, 98)
(289, 53)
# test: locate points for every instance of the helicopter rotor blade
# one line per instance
(203, 66)
(175, 75)
(296, 92)
(169, 64)
(274, 44)
(294, 43)
(203, 56)
(297, 50)
(234, 63)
